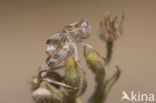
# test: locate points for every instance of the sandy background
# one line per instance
(26, 25)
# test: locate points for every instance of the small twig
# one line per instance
(109, 46)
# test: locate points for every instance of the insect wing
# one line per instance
(62, 55)
(53, 43)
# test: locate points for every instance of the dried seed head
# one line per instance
(47, 93)
(110, 28)
(42, 95)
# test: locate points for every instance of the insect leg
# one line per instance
(43, 68)
(86, 45)
(51, 69)
(76, 58)
(76, 55)
(59, 67)
(59, 83)
(44, 72)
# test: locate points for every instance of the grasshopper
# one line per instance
(62, 45)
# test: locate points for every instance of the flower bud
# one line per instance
(72, 74)
(75, 78)
(95, 62)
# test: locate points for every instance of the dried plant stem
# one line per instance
(109, 46)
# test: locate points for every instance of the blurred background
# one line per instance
(26, 25)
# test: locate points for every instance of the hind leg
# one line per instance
(86, 45)
(59, 83)
(43, 74)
